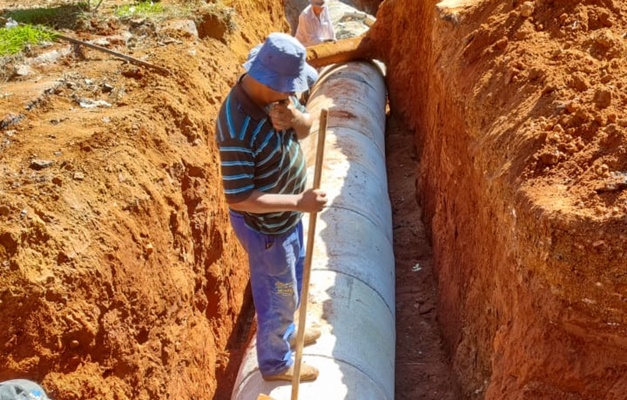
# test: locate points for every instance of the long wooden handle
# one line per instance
(311, 232)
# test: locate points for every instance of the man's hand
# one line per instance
(282, 114)
(312, 200)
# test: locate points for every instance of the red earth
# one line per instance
(506, 146)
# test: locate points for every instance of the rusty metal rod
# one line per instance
(130, 59)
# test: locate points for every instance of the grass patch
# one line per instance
(14, 40)
(55, 17)
(142, 9)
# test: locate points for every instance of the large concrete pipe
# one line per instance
(351, 295)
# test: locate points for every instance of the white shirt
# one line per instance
(312, 29)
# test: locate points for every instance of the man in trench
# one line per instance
(264, 177)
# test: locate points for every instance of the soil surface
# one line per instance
(517, 108)
(423, 369)
(121, 278)
(120, 275)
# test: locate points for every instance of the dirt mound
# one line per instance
(120, 278)
(517, 108)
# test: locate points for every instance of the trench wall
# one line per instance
(529, 309)
(127, 282)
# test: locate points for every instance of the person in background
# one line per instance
(264, 175)
(314, 24)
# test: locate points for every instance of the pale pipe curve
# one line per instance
(351, 295)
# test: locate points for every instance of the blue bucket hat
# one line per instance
(280, 63)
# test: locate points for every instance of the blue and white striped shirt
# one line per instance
(254, 156)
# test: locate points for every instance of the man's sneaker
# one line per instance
(311, 335)
(307, 374)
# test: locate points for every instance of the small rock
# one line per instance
(185, 27)
(149, 249)
(526, 9)
(549, 157)
(536, 74)
(605, 39)
(51, 56)
(102, 42)
(570, 148)
(502, 43)
(603, 170)
(603, 98)
(4, 210)
(40, 164)
(572, 106)
(90, 103)
(79, 176)
(23, 70)
(521, 34)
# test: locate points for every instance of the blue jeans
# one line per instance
(276, 275)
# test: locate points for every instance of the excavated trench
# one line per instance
(509, 234)
(528, 291)
(528, 254)
(529, 279)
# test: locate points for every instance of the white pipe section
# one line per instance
(351, 291)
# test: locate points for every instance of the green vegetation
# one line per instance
(39, 24)
(57, 17)
(13, 40)
(141, 9)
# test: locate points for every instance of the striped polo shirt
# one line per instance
(254, 156)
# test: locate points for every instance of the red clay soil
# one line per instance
(518, 113)
(121, 278)
(423, 368)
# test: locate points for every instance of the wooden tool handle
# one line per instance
(311, 232)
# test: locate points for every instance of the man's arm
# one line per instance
(302, 124)
(311, 200)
